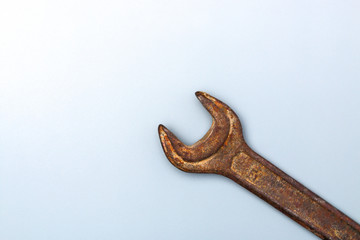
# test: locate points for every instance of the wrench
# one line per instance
(224, 151)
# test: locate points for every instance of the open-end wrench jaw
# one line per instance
(212, 153)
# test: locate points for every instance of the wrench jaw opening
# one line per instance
(215, 151)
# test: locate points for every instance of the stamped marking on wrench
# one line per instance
(224, 151)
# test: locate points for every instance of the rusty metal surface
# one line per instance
(224, 151)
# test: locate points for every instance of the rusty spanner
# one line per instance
(224, 151)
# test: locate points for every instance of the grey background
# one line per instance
(84, 85)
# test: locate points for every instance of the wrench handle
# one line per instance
(268, 182)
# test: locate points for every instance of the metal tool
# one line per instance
(224, 151)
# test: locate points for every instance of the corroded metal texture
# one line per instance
(224, 151)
